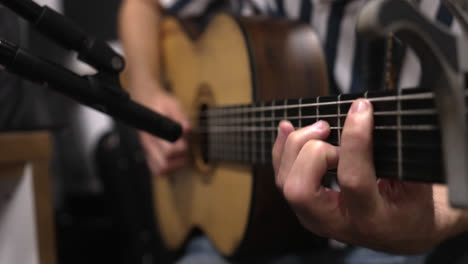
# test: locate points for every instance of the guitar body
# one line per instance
(234, 61)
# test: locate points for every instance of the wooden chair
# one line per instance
(27, 233)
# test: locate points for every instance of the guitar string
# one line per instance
(376, 160)
(228, 120)
(217, 150)
(381, 144)
(252, 108)
(224, 145)
(255, 157)
(412, 112)
(421, 111)
(388, 163)
(246, 109)
(229, 129)
(228, 142)
(224, 132)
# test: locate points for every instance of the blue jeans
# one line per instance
(201, 251)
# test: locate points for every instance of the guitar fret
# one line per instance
(300, 113)
(226, 136)
(229, 138)
(248, 145)
(222, 137)
(216, 143)
(206, 143)
(235, 137)
(238, 136)
(235, 146)
(263, 134)
(399, 138)
(317, 111)
(273, 124)
(241, 137)
(254, 140)
(338, 110)
(246, 134)
(285, 115)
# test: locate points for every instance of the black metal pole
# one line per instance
(62, 30)
(91, 91)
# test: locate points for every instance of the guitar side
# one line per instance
(234, 61)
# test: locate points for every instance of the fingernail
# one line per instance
(318, 125)
(359, 107)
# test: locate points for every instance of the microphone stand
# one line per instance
(101, 91)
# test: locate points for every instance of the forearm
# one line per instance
(138, 26)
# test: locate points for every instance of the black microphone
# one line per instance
(96, 91)
(62, 30)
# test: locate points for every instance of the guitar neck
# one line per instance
(407, 141)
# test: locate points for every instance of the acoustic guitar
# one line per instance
(238, 78)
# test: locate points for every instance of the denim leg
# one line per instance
(367, 256)
(200, 250)
(356, 255)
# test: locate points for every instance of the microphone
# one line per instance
(62, 30)
(99, 91)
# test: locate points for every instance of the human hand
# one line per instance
(162, 156)
(383, 214)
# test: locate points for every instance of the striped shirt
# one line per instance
(334, 22)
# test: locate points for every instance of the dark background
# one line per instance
(102, 201)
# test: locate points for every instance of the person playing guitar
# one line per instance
(386, 215)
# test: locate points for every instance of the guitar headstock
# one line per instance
(442, 61)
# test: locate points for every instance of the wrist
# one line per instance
(462, 221)
(452, 221)
(144, 89)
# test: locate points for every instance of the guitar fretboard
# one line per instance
(406, 130)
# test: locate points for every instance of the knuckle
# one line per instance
(358, 136)
(354, 132)
(295, 193)
(349, 181)
(294, 139)
(315, 146)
